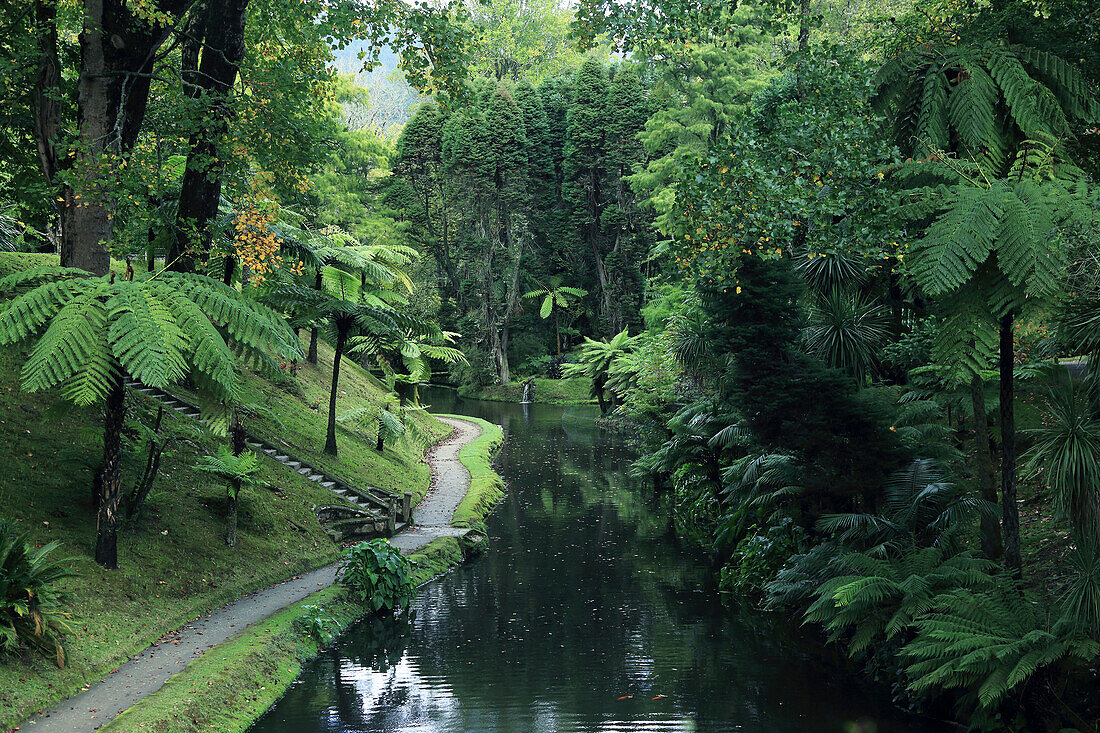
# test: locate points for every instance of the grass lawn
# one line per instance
(174, 562)
(572, 391)
(299, 419)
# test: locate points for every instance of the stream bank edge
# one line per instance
(230, 686)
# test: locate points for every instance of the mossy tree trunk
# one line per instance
(109, 516)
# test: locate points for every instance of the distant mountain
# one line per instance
(392, 100)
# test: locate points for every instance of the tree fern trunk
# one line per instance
(991, 530)
(597, 387)
(109, 516)
(230, 266)
(1010, 517)
(231, 515)
(311, 355)
(341, 339)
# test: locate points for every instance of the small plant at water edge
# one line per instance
(377, 575)
(31, 602)
(317, 623)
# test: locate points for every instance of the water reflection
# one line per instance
(584, 615)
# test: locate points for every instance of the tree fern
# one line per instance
(90, 332)
(880, 597)
(990, 642)
(240, 472)
(989, 95)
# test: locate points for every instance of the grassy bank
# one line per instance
(295, 414)
(230, 686)
(572, 391)
(486, 486)
(175, 565)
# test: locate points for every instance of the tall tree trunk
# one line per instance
(47, 93)
(222, 51)
(314, 333)
(990, 529)
(1010, 517)
(117, 53)
(803, 25)
(109, 516)
(341, 340)
(239, 437)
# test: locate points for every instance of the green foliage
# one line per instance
(239, 472)
(846, 332)
(758, 557)
(157, 329)
(377, 575)
(990, 642)
(595, 360)
(878, 598)
(986, 95)
(1066, 453)
(32, 602)
(318, 623)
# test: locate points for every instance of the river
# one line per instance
(584, 614)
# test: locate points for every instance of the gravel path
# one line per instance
(450, 482)
(148, 671)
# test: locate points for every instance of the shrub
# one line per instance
(318, 623)
(31, 602)
(378, 575)
(759, 556)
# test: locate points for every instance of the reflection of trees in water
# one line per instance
(583, 597)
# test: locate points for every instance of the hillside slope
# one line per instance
(174, 562)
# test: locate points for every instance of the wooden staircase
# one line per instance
(368, 512)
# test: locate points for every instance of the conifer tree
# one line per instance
(584, 173)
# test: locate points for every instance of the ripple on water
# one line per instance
(585, 615)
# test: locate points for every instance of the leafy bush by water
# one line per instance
(31, 603)
(377, 575)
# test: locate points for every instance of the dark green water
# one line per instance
(584, 615)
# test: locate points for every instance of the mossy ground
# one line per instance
(572, 391)
(174, 562)
(232, 685)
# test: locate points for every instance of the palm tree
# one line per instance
(159, 330)
(555, 299)
(595, 360)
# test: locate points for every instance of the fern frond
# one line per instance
(145, 337)
(74, 350)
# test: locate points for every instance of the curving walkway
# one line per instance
(148, 671)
